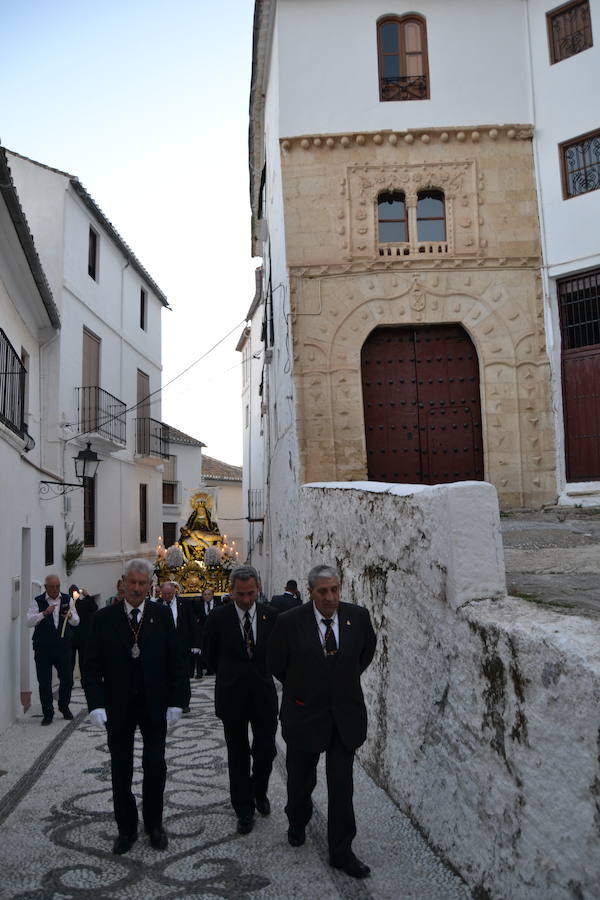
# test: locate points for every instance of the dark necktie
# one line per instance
(248, 636)
(329, 644)
(134, 616)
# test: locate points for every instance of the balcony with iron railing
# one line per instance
(101, 417)
(151, 439)
(404, 87)
(171, 493)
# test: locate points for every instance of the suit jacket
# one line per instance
(184, 626)
(285, 601)
(199, 617)
(239, 679)
(319, 691)
(86, 607)
(110, 673)
(45, 635)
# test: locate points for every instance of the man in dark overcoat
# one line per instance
(289, 599)
(318, 651)
(181, 610)
(133, 676)
(245, 696)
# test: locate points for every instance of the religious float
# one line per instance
(202, 557)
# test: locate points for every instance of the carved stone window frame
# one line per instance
(457, 181)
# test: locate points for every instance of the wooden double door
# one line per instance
(422, 405)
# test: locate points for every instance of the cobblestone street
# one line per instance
(57, 826)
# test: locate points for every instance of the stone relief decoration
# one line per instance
(456, 180)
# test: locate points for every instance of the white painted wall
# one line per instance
(25, 516)
(483, 713)
(565, 106)
(328, 77)
(108, 307)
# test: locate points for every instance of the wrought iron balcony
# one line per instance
(404, 87)
(171, 493)
(101, 414)
(151, 438)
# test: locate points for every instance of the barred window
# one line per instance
(391, 214)
(569, 30)
(580, 160)
(579, 306)
(402, 54)
(12, 387)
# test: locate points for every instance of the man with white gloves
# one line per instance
(133, 676)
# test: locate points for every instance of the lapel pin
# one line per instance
(348, 622)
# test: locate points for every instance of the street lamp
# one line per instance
(86, 466)
(86, 463)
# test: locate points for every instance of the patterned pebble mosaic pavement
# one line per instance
(57, 826)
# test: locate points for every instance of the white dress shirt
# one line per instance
(323, 628)
(173, 607)
(34, 616)
(242, 616)
(129, 608)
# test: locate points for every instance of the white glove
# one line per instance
(173, 715)
(98, 717)
(195, 649)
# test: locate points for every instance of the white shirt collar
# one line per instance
(242, 612)
(129, 607)
(319, 615)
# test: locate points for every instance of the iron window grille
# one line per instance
(579, 306)
(569, 30)
(580, 163)
(12, 387)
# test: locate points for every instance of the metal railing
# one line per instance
(171, 493)
(151, 438)
(404, 87)
(101, 413)
(255, 506)
(12, 387)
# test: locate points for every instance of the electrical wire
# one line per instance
(159, 390)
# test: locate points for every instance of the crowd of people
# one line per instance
(137, 654)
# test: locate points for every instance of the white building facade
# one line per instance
(101, 384)
(456, 116)
(30, 530)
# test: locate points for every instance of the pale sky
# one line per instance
(146, 102)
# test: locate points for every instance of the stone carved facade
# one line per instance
(485, 276)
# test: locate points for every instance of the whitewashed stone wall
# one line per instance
(484, 712)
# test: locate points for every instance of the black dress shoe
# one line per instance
(66, 712)
(351, 865)
(124, 842)
(158, 838)
(296, 836)
(263, 806)
(245, 824)
(47, 720)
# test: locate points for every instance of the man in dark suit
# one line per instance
(201, 610)
(53, 617)
(245, 696)
(134, 676)
(318, 652)
(182, 618)
(289, 599)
